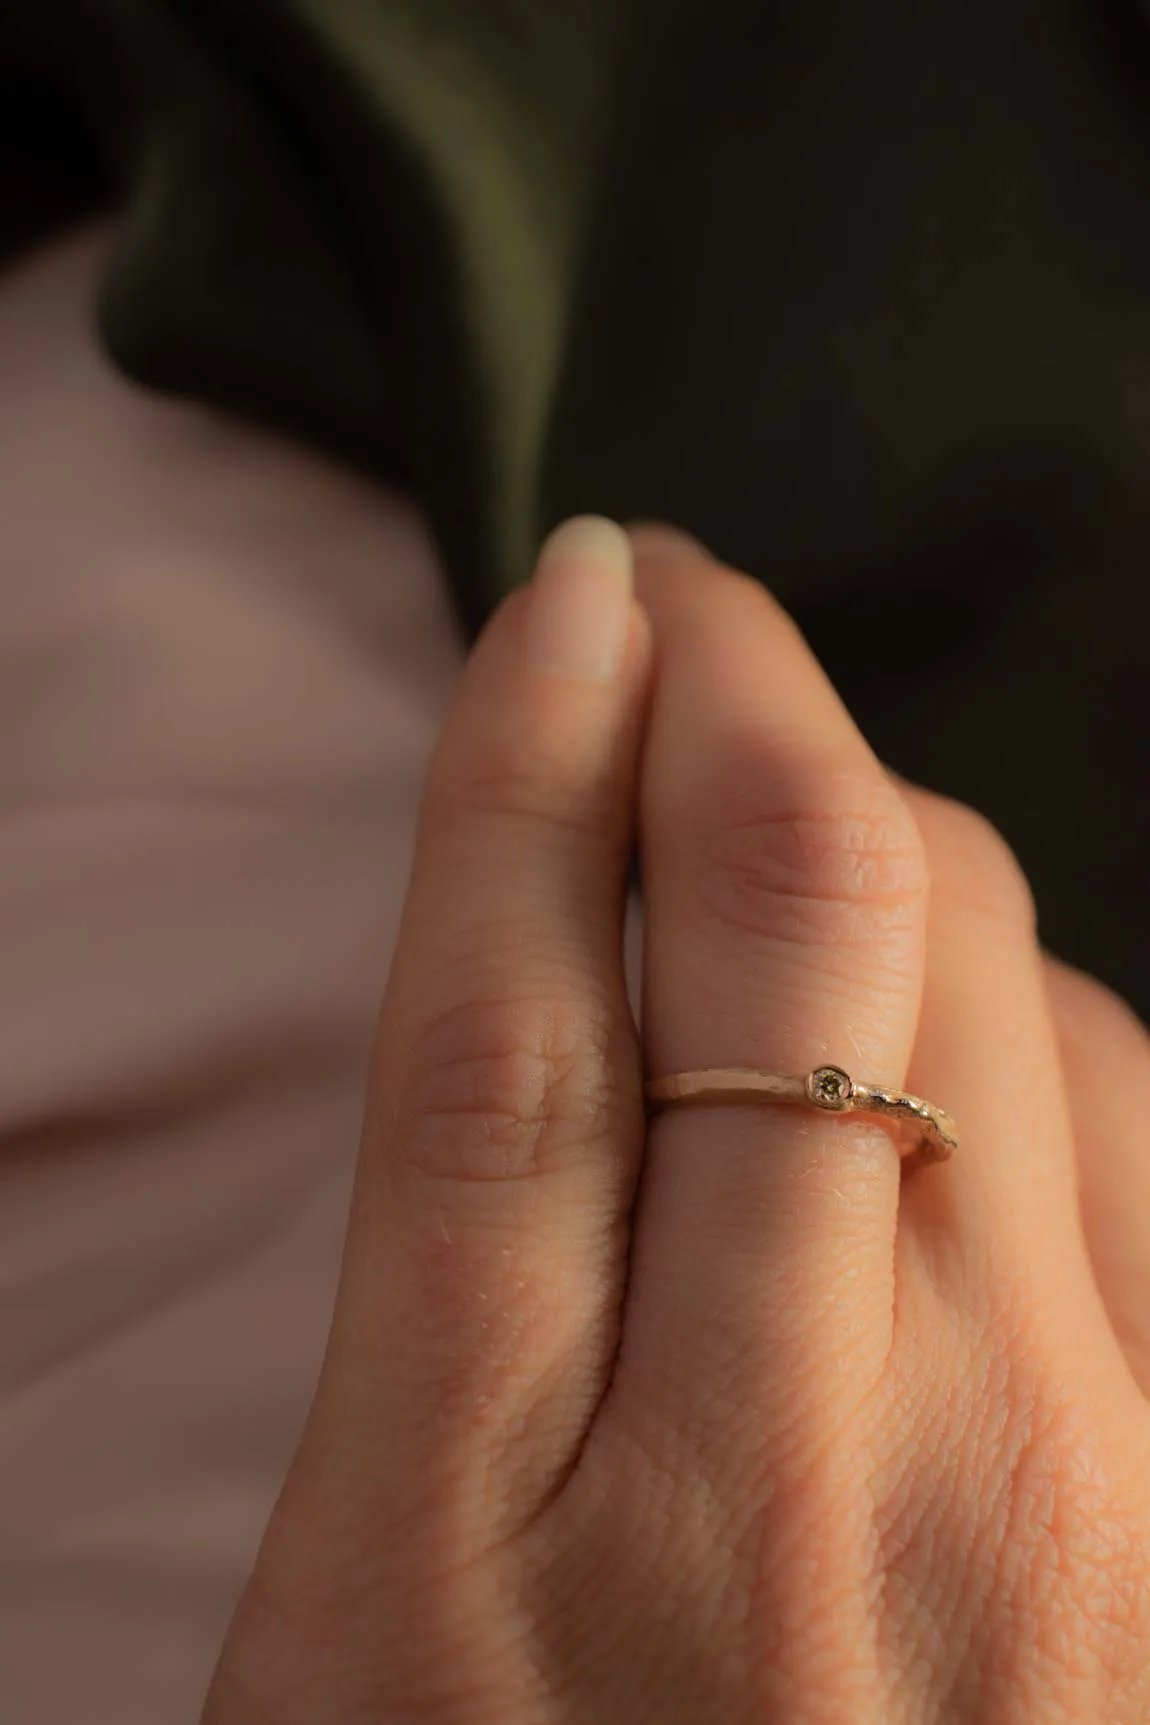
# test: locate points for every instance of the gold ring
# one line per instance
(934, 1137)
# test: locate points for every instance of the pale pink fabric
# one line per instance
(223, 664)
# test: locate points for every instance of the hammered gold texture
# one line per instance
(929, 1133)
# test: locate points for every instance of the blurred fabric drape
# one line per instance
(859, 294)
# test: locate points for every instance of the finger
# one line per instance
(1105, 1050)
(999, 1241)
(487, 1239)
(785, 902)
(986, 1034)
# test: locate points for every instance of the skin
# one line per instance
(724, 1418)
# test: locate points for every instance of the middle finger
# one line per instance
(784, 929)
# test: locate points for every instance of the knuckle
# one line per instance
(973, 867)
(840, 860)
(506, 1088)
(518, 781)
(1091, 1012)
(534, 774)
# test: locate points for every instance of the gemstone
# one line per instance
(830, 1087)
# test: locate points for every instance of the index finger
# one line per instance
(486, 1247)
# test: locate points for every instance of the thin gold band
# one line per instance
(935, 1136)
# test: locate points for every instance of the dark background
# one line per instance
(860, 295)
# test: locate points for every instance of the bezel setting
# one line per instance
(831, 1088)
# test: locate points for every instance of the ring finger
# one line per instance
(1105, 1052)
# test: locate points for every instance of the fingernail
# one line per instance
(581, 600)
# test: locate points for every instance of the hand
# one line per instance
(720, 1421)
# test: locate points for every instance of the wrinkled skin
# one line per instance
(722, 1416)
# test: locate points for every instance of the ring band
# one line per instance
(935, 1134)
